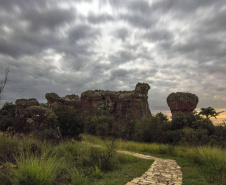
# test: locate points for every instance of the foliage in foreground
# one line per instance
(35, 162)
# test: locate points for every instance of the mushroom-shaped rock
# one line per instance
(182, 102)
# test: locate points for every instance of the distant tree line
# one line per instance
(64, 122)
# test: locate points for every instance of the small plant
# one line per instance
(33, 169)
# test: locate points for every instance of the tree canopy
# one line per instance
(209, 112)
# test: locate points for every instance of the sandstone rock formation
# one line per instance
(182, 102)
(123, 104)
(71, 100)
(23, 104)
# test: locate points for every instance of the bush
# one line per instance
(194, 137)
(8, 116)
(149, 129)
(101, 125)
(40, 122)
(69, 122)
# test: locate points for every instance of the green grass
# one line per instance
(35, 170)
(134, 167)
(33, 162)
(200, 165)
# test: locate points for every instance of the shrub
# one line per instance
(40, 122)
(101, 125)
(8, 116)
(69, 122)
(194, 137)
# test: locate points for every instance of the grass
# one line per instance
(35, 170)
(34, 162)
(134, 167)
(200, 165)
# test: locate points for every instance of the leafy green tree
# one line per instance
(8, 116)
(161, 117)
(209, 112)
(69, 122)
(194, 137)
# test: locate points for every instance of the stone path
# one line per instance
(161, 172)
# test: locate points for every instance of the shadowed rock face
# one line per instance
(182, 102)
(123, 104)
(71, 100)
(23, 104)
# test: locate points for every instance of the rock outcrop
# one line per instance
(122, 104)
(23, 104)
(71, 100)
(182, 102)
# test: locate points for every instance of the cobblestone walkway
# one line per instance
(161, 172)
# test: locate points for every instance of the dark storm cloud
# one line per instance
(62, 47)
(138, 20)
(83, 31)
(22, 4)
(132, 75)
(121, 56)
(49, 18)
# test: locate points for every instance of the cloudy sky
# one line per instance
(70, 46)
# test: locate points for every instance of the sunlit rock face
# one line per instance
(123, 104)
(181, 102)
(23, 104)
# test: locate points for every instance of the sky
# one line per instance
(68, 47)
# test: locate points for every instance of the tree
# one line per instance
(209, 112)
(3, 82)
(8, 116)
(69, 121)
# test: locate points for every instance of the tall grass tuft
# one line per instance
(214, 161)
(33, 169)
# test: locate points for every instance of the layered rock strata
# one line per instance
(71, 100)
(123, 104)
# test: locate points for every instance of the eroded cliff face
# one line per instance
(182, 102)
(23, 104)
(123, 104)
(71, 100)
